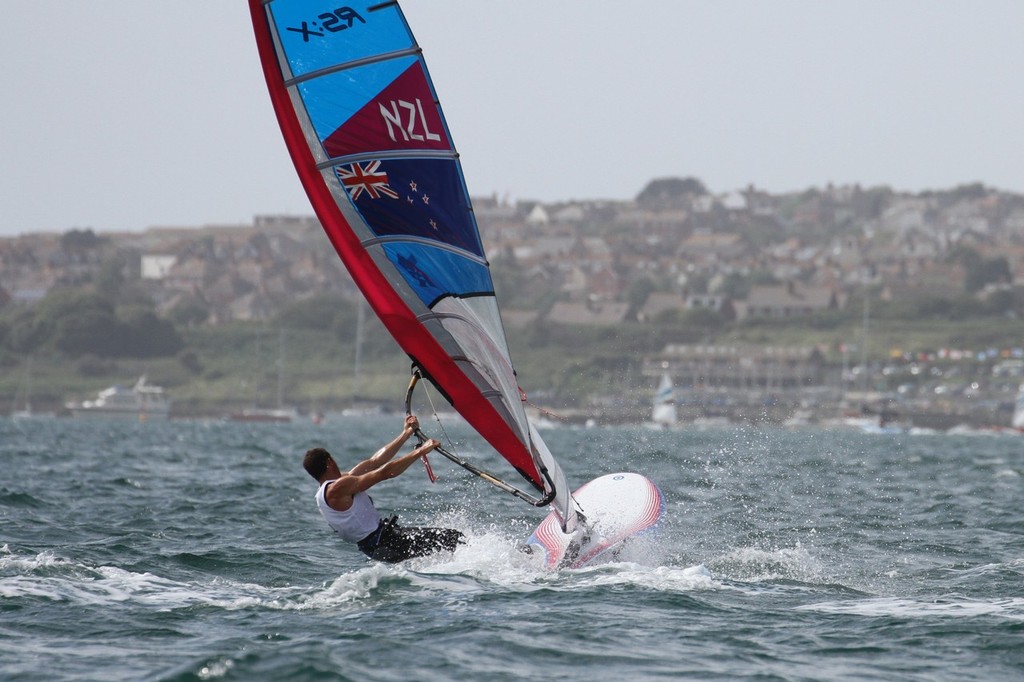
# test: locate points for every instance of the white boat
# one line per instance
(1017, 423)
(663, 411)
(143, 402)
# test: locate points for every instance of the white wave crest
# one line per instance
(46, 576)
(661, 578)
(1011, 608)
(760, 565)
(22, 563)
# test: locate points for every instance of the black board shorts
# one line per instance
(392, 543)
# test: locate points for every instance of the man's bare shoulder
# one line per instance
(339, 492)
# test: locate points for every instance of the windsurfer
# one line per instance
(350, 512)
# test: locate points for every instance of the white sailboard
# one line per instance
(617, 507)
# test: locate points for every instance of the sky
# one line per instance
(119, 115)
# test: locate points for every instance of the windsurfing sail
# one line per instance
(664, 410)
(370, 143)
(1018, 410)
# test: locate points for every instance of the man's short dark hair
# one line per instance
(315, 462)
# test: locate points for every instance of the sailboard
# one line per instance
(618, 507)
(371, 145)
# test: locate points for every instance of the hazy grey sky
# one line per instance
(122, 114)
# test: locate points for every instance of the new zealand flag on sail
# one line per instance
(412, 197)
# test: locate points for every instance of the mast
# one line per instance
(864, 342)
(357, 378)
(280, 369)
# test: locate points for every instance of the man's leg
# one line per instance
(398, 544)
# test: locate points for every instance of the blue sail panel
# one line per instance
(319, 34)
(435, 273)
(333, 99)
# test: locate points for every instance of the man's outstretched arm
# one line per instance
(339, 494)
(386, 453)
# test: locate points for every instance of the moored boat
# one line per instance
(143, 401)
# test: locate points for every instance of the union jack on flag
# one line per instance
(367, 178)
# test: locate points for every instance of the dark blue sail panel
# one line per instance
(413, 198)
(321, 35)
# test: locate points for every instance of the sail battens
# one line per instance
(449, 155)
(491, 394)
(442, 316)
(354, 64)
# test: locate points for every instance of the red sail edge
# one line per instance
(397, 317)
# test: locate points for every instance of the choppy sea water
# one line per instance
(193, 551)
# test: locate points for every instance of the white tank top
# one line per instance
(353, 524)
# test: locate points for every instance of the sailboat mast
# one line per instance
(864, 341)
(358, 364)
(280, 369)
(28, 386)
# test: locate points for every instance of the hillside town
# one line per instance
(674, 249)
(688, 246)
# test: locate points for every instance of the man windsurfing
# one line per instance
(350, 512)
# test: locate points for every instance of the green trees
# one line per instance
(146, 335)
(981, 271)
(323, 312)
(78, 323)
(670, 190)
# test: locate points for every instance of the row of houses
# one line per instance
(232, 272)
(811, 252)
